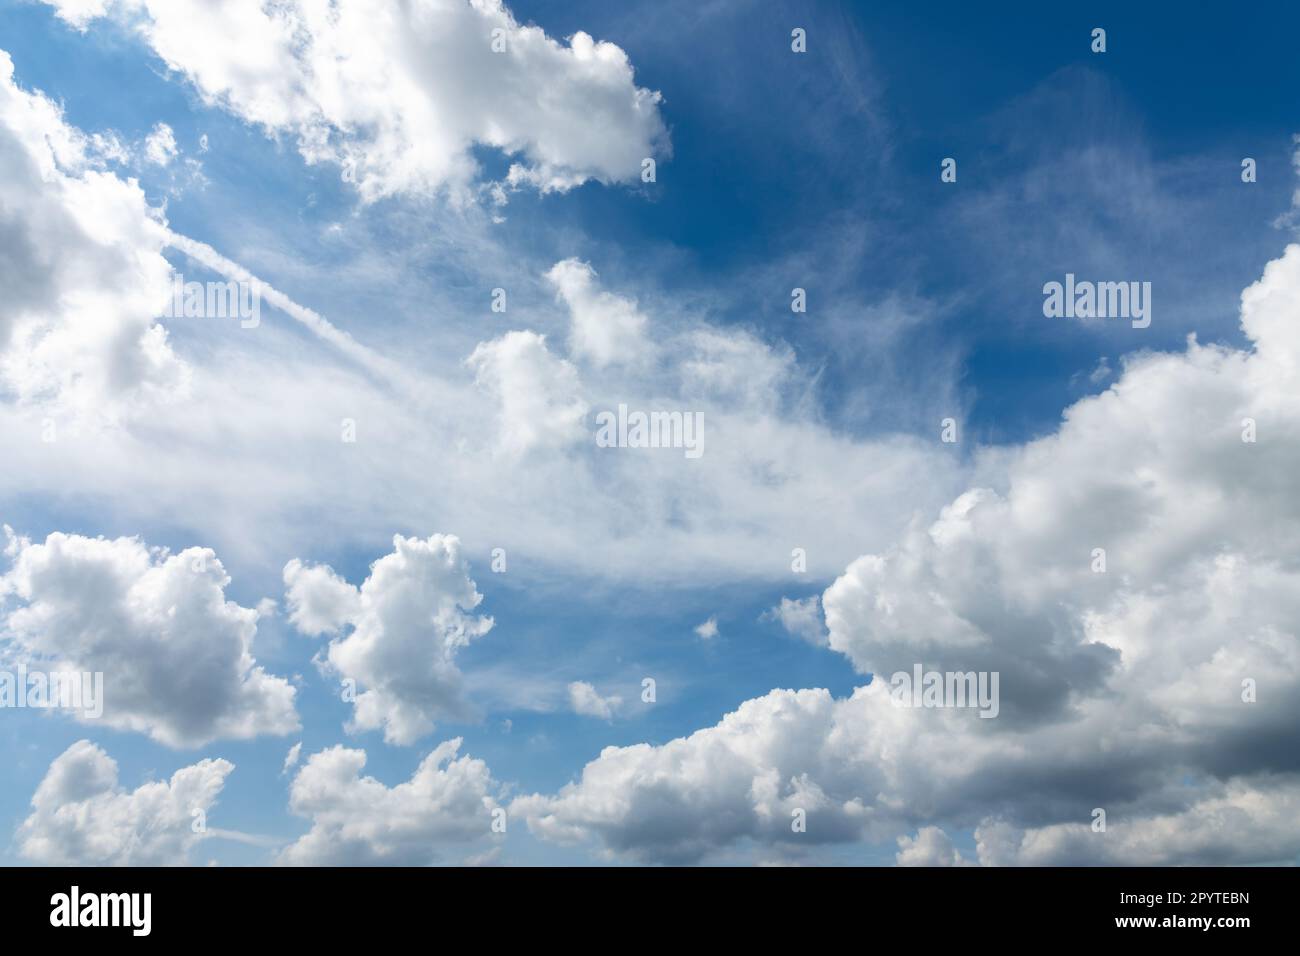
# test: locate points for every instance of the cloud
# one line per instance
(1154, 472)
(176, 655)
(1138, 689)
(608, 512)
(407, 622)
(320, 602)
(605, 328)
(735, 369)
(538, 395)
(291, 758)
(357, 821)
(400, 97)
(930, 847)
(82, 817)
(584, 700)
(708, 630)
(1242, 824)
(160, 146)
(802, 618)
(744, 778)
(82, 267)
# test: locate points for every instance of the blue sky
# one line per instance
(775, 170)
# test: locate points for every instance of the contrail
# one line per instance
(322, 327)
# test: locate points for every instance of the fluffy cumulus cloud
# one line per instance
(82, 817)
(175, 654)
(538, 394)
(1159, 681)
(400, 632)
(82, 268)
(399, 94)
(1240, 824)
(930, 847)
(320, 602)
(604, 328)
(744, 778)
(358, 821)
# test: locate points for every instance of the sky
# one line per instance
(365, 583)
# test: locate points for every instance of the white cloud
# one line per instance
(734, 369)
(408, 621)
(358, 821)
(291, 758)
(743, 778)
(708, 630)
(1246, 822)
(611, 513)
(1121, 690)
(160, 145)
(320, 602)
(930, 847)
(1195, 532)
(82, 817)
(82, 269)
(176, 655)
(606, 328)
(107, 147)
(538, 395)
(585, 700)
(802, 618)
(398, 97)
(79, 13)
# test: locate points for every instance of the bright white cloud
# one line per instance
(744, 778)
(82, 817)
(1137, 690)
(320, 602)
(176, 655)
(606, 328)
(358, 821)
(585, 700)
(160, 145)
(82, 268)
(1195, 531)
(407, 623)
(539, 398)
(399, 96)
(612, 512)
(802, 618)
